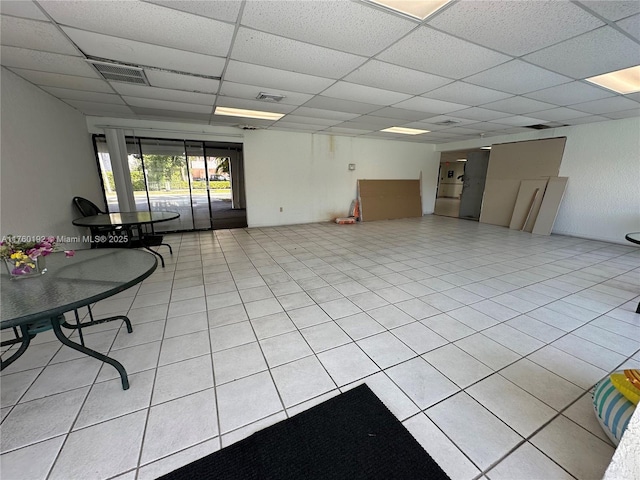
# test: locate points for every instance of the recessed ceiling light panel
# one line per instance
(240, 112)
(419, 9)
(622, 81)
(404, 131)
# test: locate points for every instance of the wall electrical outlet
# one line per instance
(281, 209)
(352, 166)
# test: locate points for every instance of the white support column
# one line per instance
(117, 146)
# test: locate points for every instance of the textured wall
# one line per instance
(46, 159)
(602, 161)
(308, 176)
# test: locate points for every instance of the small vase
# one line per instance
(26, 271)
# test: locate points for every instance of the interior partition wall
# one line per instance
(202, 181)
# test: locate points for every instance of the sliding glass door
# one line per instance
(201, 181)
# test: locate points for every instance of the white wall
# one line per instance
(602, 161)
(46, 159)
(307, 175)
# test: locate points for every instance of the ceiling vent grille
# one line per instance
(248, 127)
(546, 126)
(447, 122)
(120, 73)
(270, 97)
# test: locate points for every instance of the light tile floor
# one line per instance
(484, 341)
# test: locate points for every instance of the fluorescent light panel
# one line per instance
(622, 81)
(485, 148)
(419, 9)
(405, 131)
(461, 160)
(240, 112)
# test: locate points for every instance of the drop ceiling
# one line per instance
(344, 67)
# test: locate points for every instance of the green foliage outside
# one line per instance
(165, 172)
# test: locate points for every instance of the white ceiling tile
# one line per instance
(434, 52)
(250, 92)
(278, 52)
(562, 113)
(381, 122)
(344, 131)
(226, 10)
(430, 123)
(138, 53)
(362, 93)
(482, 114)
(351, 25)
(100, 109)
(633, 96)
(273, 78)
(613, 10)
(402, 114)
(64, 81)
(487, 126)
(463, 131)
(160, 114)
(394, 77)
(606, 105)
(589, 119)
(302, 127)
(593, 53)
(146, 22)
(167, 105)
(181, 96)
(230, 120)
(355, 125)
(624, 114)
(429, 105)
(518, 105)
(461, 92)
(631, 25)
(517, 77)
(69, 94)
(308, 121)
(254, 105)
(569, 93)
(22, 8)
(515, 28)
(45, 62)
(25, 33)
(521, 121)
(177, 81)
(325, 114)
(328, 103)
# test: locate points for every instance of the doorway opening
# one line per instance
(203, 181)
(461, 182)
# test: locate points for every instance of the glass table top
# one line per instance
(70, 283)
(125, 218)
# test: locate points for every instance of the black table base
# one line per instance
(27, 333)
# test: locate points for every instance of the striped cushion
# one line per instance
(612, 409)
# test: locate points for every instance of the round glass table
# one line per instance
(34, 304)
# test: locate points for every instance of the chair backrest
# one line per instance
(86, 207)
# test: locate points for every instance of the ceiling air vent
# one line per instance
(546, 126)
(446, 122)
(270, 97)
(120, 73)
(248, 127)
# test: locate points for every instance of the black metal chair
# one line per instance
(88, 209)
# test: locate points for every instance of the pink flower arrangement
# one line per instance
(22, 252)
